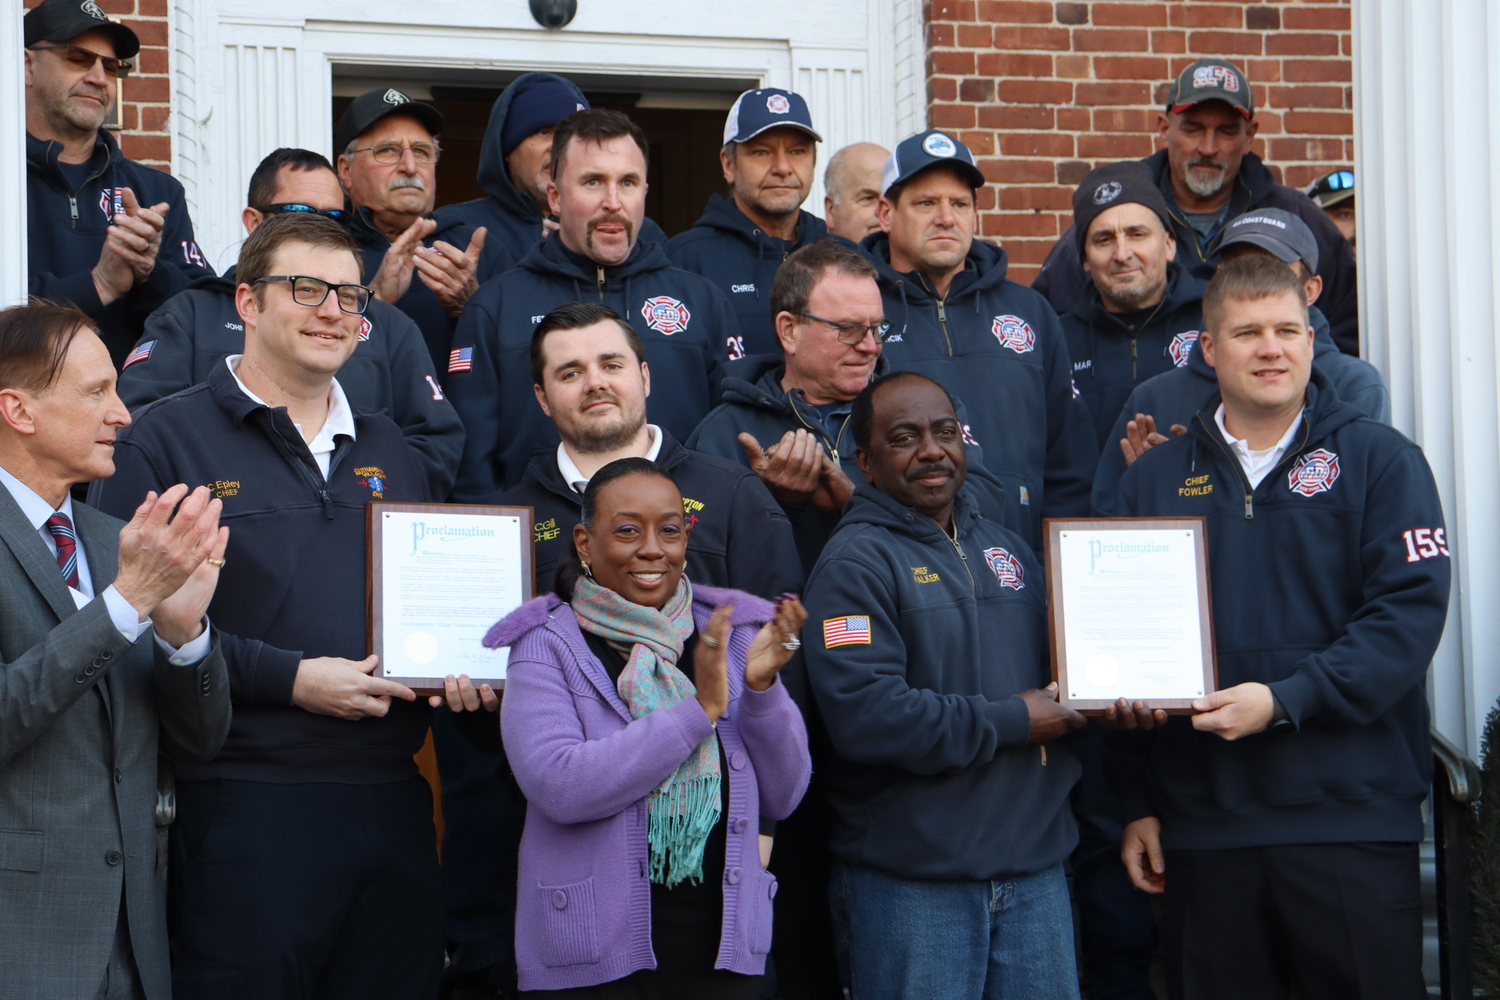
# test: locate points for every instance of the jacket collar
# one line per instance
(723, 214)
(25, 543)
(1323, 413)
(43, 153)
(545, 468)
(871, 506)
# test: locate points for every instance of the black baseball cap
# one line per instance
(1283, 234)
(373, 105)
(1212, 80)
(929, 149)
(63, 20)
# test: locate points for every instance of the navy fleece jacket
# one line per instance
(683, 321)
(1330, 585)
(734, 253)
(933, 775)
(997, 346)
(512, 217)
(293, 585)
(65, 232)
(1062, 279)
(389, 371)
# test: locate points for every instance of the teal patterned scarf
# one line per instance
(685, 807)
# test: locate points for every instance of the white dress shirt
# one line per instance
(121, 614)
(340, 419)
(1257, 464)
(577, 481)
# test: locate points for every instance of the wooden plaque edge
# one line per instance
(1056, 614)
(374, 540)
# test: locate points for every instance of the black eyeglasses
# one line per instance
(852, 333)
(310, 292)
(336, 214)
(1339, 180)
(84, 59)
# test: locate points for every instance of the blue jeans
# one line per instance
(899, 938)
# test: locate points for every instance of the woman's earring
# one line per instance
(588, 571)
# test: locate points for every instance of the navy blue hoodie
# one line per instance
(512, 217)
(65, 232)
(1173, 398)
(734, 253)
(293, 586)
(682, 319)
(1062, 279)
(1111, 356)
(918, 646)
(389, 371)
(1330, 585)
(998, 346)
(739, 537)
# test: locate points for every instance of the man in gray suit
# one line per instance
(86, 697)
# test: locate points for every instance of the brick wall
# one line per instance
(145, 135)
(1042, 92)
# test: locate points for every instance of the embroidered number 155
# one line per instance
(1425, 543)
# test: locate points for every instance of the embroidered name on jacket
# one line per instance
(1313, 473)
(665, 314)
(1006, 566)
(1013, 332)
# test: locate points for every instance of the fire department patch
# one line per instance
(1314, 473)
(364, 328)
(1182, 346)
(969, 437)
(1013, 332)
(665, 314)
(778, 105)
(1216, 76)
(1006, 566)
(107, 203)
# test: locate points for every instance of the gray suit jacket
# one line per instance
(82, 713)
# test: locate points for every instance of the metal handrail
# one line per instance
(1464, 776)
(1455, 787)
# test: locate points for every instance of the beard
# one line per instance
(1198, 184)
(778, 204)
(596, 437)
(80, 116)
(1136, 295)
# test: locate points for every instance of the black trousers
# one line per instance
(649, 984)
(316, 891)
(1337, 921)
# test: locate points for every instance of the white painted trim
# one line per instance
(13, 160)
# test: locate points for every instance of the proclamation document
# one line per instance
(1130, 612)
(440, 576)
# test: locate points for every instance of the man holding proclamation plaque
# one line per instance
(1282, 820)
(303, 854)
(928, 660)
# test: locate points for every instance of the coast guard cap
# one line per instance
(373, 105)
(62, 20)
(929, 149)
(754, 111)
(1212, 80)
(1280, 232)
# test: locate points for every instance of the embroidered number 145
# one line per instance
(1425, 543)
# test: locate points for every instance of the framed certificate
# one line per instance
(439, 576)
(1130, 613)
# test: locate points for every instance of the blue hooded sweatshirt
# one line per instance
(1330, 585)
(65, 232)
(511, 216)
(917, 647)
(1173, 398)
(998, 346)
(734, 253)
(682, 319)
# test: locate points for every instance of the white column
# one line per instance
(1427, 145)
(12, 159)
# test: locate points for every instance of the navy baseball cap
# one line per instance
(929, 149)
(1212, 80)
(63, 20)
(1280, 232)
(373, 105)
(754, 111)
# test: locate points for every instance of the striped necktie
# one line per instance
(67, 547)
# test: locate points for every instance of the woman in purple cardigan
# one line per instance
(644, 721)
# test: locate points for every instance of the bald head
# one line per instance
(852, 182)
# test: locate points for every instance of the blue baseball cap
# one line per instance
(1275, 230)
(929, 149)
(754, 111)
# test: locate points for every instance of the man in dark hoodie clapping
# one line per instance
(769, 158)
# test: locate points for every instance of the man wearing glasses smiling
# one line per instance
(105, 233)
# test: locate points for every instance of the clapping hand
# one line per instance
(774, 645)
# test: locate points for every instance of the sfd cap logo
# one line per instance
(1181, 347)
(1314, 473)
(92, 9)
(1013, 332)
(1107, 192)
(1006, 566)
(394, 96)
(778, 105)
(365, 326)
(938, 144)
(665, 314)
(1216, 76)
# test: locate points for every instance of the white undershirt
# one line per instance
(1257, 464)
(577, 481)
(340, 419)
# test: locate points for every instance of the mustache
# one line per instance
(928, 470)
(1207, 161)
(599, 397)
(615, 220)
(408, 181)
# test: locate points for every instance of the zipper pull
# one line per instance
(327, 504)
(600, 280)
(1249, 509)
(73, 209)
(1133, 373)
(1044, 755)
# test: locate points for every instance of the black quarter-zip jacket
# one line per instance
(293, 585)
(1330, 585)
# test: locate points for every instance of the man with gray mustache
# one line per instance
(1208, 175)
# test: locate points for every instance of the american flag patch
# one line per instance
(461, 359)
(851, 631)
(141, 353)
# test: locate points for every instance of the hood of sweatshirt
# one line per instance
(870, 506)
(723, 215)
(493, 177)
